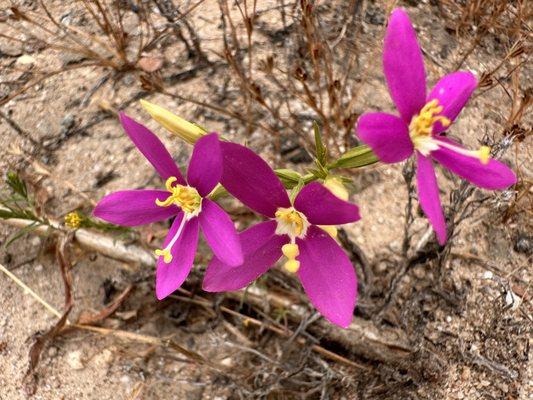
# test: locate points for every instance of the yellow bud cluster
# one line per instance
(73, 220)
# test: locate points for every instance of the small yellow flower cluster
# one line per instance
(73, 220)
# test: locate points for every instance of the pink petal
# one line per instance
(494, 176)
(404, 66)
(250, 179)
(152, 148)
(387, 135)
(452, 91)
(220, 233)
(205, 167)
(428, 196)
(169, 277)
(261, 248)
(321, 207)
(327, 276)
(134, 207)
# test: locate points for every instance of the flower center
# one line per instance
(185, 197)
(421, 133)
(293, 224)
(421, 127)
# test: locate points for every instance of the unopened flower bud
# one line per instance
(176, 125)
(336, 187)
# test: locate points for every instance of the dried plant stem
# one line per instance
(247, 320)
(361, 337)
(102, 244)
(28, 290)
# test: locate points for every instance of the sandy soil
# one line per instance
(480, 337)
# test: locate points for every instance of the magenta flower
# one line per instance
(185, 200)
(324, 269)
(422, 120)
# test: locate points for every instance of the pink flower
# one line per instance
(422, 120)
(184, 199)
(293, 231)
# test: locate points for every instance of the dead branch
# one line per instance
(92, 241)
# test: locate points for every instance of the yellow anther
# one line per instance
(336, 187)
(331, 230)
(290, 250)
(422, 124)
(169, 182)
(73, 220)
(484, 154)
(185, 197)
(167, 257)
(292, 266)
(165, 203)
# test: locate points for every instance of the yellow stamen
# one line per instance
(421, 133)
(331, 230)
(167, 257)
(290, 250)
(185, 197)
(165, 253)
(421, 127)
(73, 220)
(292, 266)
(484, 154)
(169, 182)
(422, 124)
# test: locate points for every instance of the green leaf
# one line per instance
(16, 184)
(288, 177)
(6, 214)
(295, 190)
(356, 157)
(321, 151)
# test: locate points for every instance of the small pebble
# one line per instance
(74, 360)
(52, 351)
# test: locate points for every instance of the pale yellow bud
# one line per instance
(336, 187)
(174, 124)
(331, 230)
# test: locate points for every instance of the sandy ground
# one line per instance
(481, 338)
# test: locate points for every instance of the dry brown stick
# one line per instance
(103, 244)
(362, 337)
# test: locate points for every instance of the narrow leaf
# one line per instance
(356, 157)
